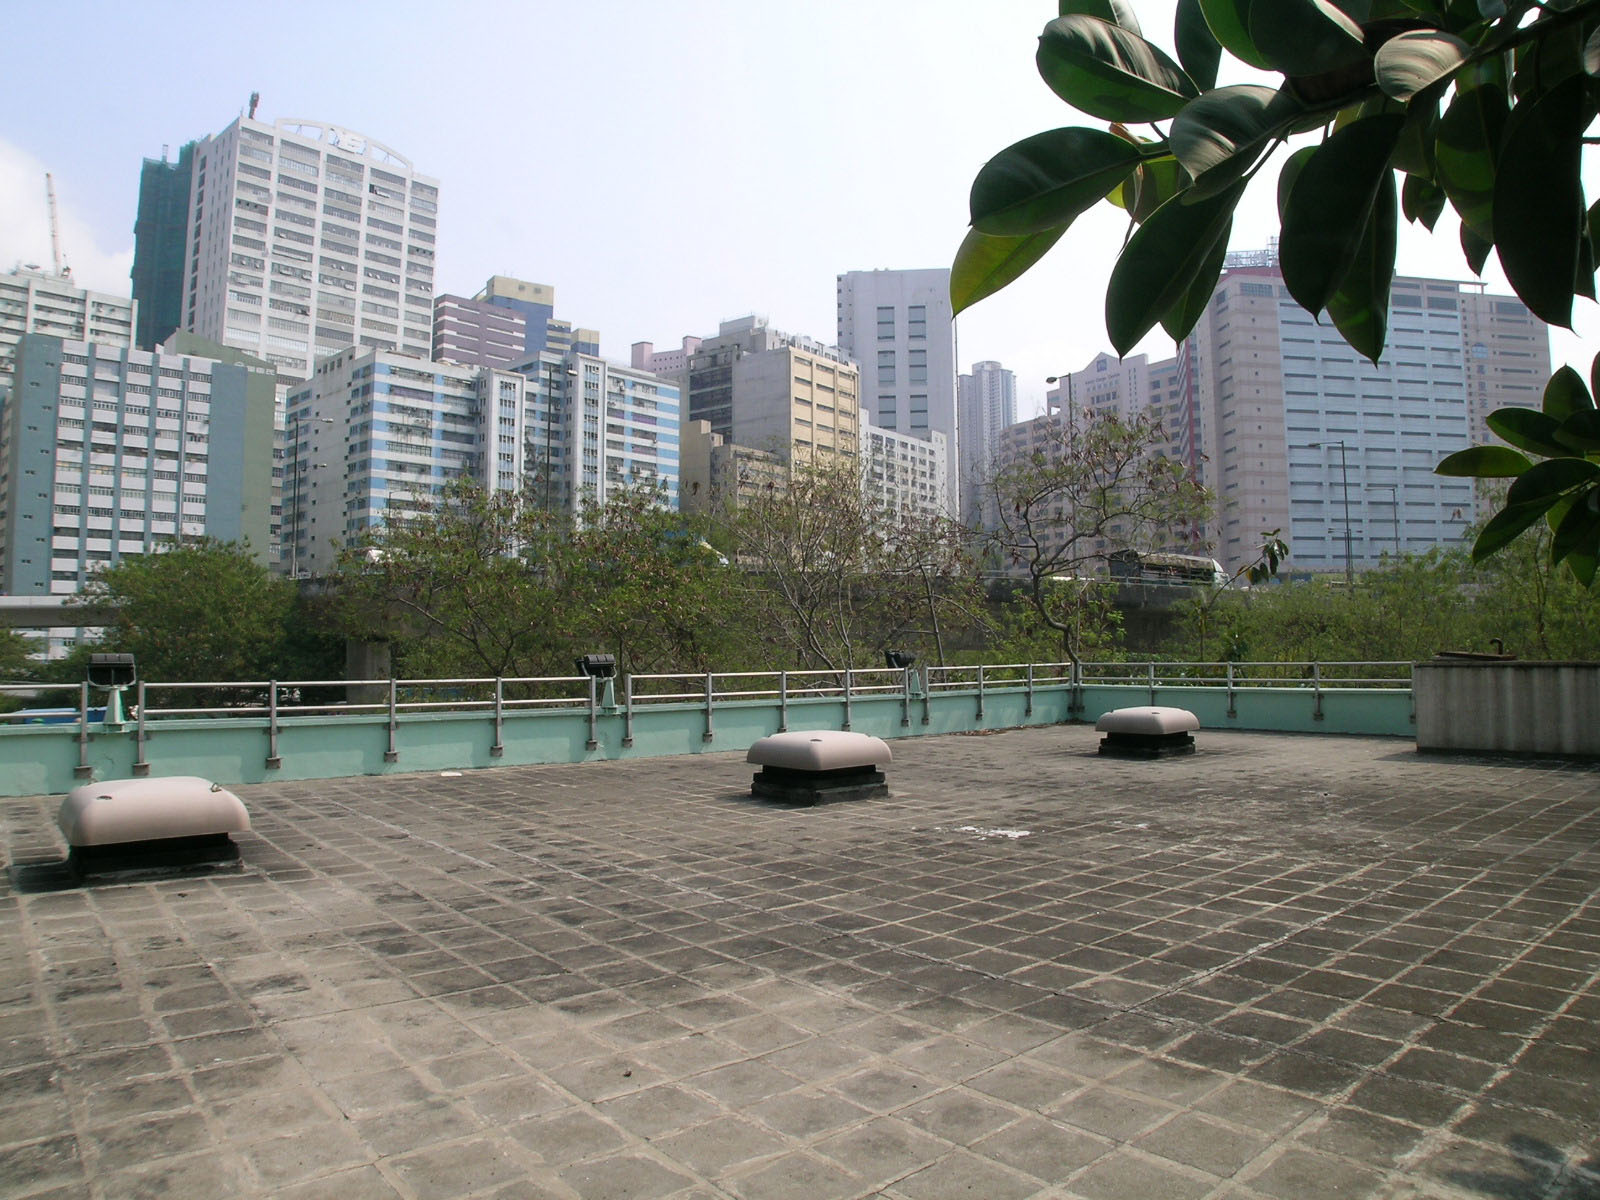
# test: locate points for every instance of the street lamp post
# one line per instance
(1344, 471)
(294, 464)
(1394, 510)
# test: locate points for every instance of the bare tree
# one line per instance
(1094, 484)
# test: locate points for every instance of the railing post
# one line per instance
(392, 754)
(1232, 711)
(83, 770)
(1151, 669)
(593, 743)
(710, 732)
(927, 695)
(1027, 710)
(980, 692)
(783, 701)
(140, 765)
(627, 712)
(273, 761)
(1075, 683)
(849, 680)
(905, 700)
(498, 749)
(1316, 691)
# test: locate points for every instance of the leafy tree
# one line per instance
(1098, 484)
(830, 579)
(1479, 104)
(196, 611)
(496, 584)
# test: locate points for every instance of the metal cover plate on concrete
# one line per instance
(1148, 721)
(144, 810)
(819, 750)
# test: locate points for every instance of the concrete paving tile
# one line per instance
(1047, 1150)
(399, 1130)
(1128, 1175)
(569, 1136)
(804, 1115)
(1109, 1113)
(797, 1176)
(1302, 1175)
(455, 1168)
(721, 1144)
(658, 1110)
(1204, 1143)
(962, 1175)
(358, 1183)
(885, 1087)
(624, 1177)
(34, 1166)
(314, 1150)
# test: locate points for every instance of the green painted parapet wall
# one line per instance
(50, 759)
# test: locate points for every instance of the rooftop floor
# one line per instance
(1289, 967)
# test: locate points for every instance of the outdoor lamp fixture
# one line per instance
(598, 666)
(114, 672)
(603, 668)
(899, 660)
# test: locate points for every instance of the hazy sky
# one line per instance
(665, 164)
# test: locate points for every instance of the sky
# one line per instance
(665, 166)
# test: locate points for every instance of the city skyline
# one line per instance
(647, 238)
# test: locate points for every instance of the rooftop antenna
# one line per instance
(55, 228)
(255, 99)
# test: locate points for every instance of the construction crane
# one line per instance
(55, 228)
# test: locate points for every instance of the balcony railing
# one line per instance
(678, 711)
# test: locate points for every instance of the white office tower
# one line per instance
(987, 403)
(35, 301)
(304, 239)
(902, 474)
(898, 327)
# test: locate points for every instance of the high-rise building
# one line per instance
(718, 475)
(1303, 435)
(987, 403)
(477, 333)
(35, 301)
(905, 474)
(159, 233)
(536, 303)
(768, 390)
(305, 238)
(377, 435)
(1295, 432)
(107, 451)
(898, 325)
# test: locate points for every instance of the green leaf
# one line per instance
(1110, 73)
(1292, 167)
(1407, 64)
(1305, 37)
(1329, 205)
(1485, 462)
(1161, 262)
(1581, 431)
(1115, 11)
(1155, 182)
(1220, 135)
(1475, 248)
(1551, 478)
(1359, 310)
(1468, 145)
(1422, 200)
(1507, 525)
(1538, 198)
(1591, 53)
(1185, 314)
(1565, 394)
(1594, 376)
(1414, 154)
(1045, 181)
(1199, 52)
(1229, 21)
(1527, 429)
(985, 264)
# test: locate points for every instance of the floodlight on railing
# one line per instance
(598, 666)
(899, 659)
(111, 670)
